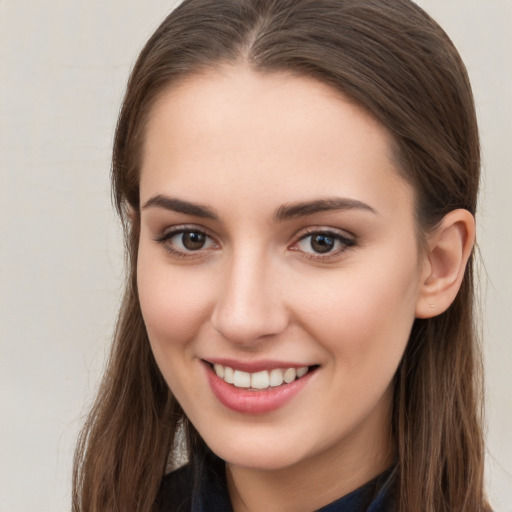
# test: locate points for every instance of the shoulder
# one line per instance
(175, 493)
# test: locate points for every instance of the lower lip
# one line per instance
(254, 402)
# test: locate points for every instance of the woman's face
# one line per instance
(276, 239)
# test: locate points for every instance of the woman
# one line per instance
(297, 181)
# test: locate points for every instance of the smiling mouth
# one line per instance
(260, 380)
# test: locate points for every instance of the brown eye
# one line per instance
(193, 240)
(183, 242)
(322, 243)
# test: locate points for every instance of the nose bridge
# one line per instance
(249, 306)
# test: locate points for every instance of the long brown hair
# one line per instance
(393, 60)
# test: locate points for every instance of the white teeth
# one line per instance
(259, 380)
(290, 375)
(219, 370)
(229, 375)
(242, 379)
(302, 371)
(276, 377)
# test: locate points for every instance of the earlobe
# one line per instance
(449, 248)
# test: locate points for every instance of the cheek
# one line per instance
(364, 317)
(174, 302)
(174, 306)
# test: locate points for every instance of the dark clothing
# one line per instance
(182, 491)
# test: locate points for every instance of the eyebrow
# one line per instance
(302, 209)
(283, 213)
(181, 206)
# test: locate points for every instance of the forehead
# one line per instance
(251, 133)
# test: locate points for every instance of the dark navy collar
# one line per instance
(374, 496)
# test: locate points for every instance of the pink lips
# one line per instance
(254, 402)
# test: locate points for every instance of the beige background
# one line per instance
(63, 66)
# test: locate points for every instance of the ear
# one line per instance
(448, 251)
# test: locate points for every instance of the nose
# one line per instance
(250, 306)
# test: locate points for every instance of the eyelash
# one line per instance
(343, 241)
(165, 238)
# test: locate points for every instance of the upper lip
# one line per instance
(255, 366)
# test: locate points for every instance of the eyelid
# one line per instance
(326, 230)
(347, 240)
(170, 232)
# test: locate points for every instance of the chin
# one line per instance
(258, 460)
(253, 452)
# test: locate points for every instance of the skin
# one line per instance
(245, 144)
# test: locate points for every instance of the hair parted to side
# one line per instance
(396, 62)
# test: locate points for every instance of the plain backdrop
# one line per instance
(63, 69)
